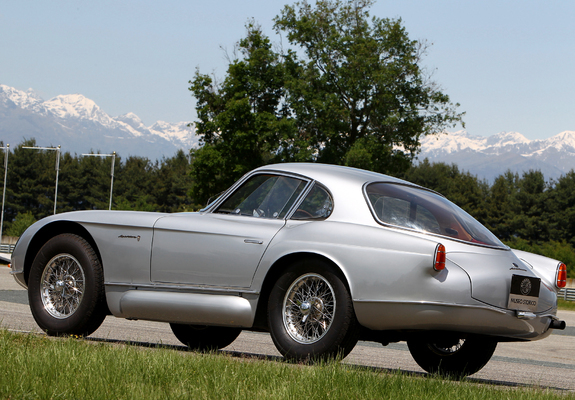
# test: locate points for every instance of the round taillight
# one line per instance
(561, 275)
(439, 258)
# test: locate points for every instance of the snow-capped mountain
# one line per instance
(79, 125)
(488, 157)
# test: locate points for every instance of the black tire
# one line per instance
(452, 355)
(310, 313)
(205, 338)
(66, 287)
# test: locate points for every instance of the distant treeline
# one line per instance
(525, 211)
(84, 184)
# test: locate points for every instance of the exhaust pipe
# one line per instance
(557, 324)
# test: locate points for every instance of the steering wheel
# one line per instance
(301, 214)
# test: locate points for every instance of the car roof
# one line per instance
(328, 174)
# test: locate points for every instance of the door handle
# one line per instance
(253, 241)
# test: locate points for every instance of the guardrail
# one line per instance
(567, 294)
(7, 248)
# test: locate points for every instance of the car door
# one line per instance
(223, 247)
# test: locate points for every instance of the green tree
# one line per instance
(242, 121)
(350, 91)
(561, 205)
(20, 224)
(134, 185)
(502, 206)
(173, 183)
(31, 182)
(531, 219)
(359, 94)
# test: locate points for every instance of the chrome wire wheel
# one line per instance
(62, 286)
(309, 308)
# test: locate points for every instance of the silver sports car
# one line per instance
(320, 256)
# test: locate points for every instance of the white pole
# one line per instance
(57, 173)
(112, 181)
(113, 155)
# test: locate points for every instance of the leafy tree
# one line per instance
(561, 206)
(21, 223)
(242, 121)
(359, 94)
(350, 91)
(531, 219)
(134, 184)
(84, 184)
(502, 206)
(31, 182)
(172, 184)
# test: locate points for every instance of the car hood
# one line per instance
(491, 271)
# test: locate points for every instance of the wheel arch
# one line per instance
(49, 231)
(275, 271)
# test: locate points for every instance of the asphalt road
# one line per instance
(548, 363)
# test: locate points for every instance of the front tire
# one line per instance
(66, 287)
(311, 314)
(205, 338)
(452, 355)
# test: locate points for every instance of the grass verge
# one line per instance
(566, 305)
(44, 368)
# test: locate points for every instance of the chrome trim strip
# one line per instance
(435, 303)
(183, 288)
(542, 314)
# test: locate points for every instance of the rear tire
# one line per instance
(452, 355)
(66, 287)
(205, 338)
(310, 313)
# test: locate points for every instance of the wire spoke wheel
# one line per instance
(309, 308)
(62, 286)
(66, 287)
(310, 313)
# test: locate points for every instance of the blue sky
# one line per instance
(509, 63)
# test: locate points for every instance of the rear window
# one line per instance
(424, 211)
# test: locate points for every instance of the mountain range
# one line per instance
(489, 157)
(80, 126)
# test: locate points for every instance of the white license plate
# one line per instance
(524, 293)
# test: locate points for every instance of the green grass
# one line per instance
(37, 367)
(566, 305)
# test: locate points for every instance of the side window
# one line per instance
(263, 196)
(403, 212)
(318, 204)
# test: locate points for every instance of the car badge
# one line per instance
(525, 286)
(516, 267)
(129, 237)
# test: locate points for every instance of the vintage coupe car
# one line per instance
(321, 256)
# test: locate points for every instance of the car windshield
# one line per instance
(422, 210)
